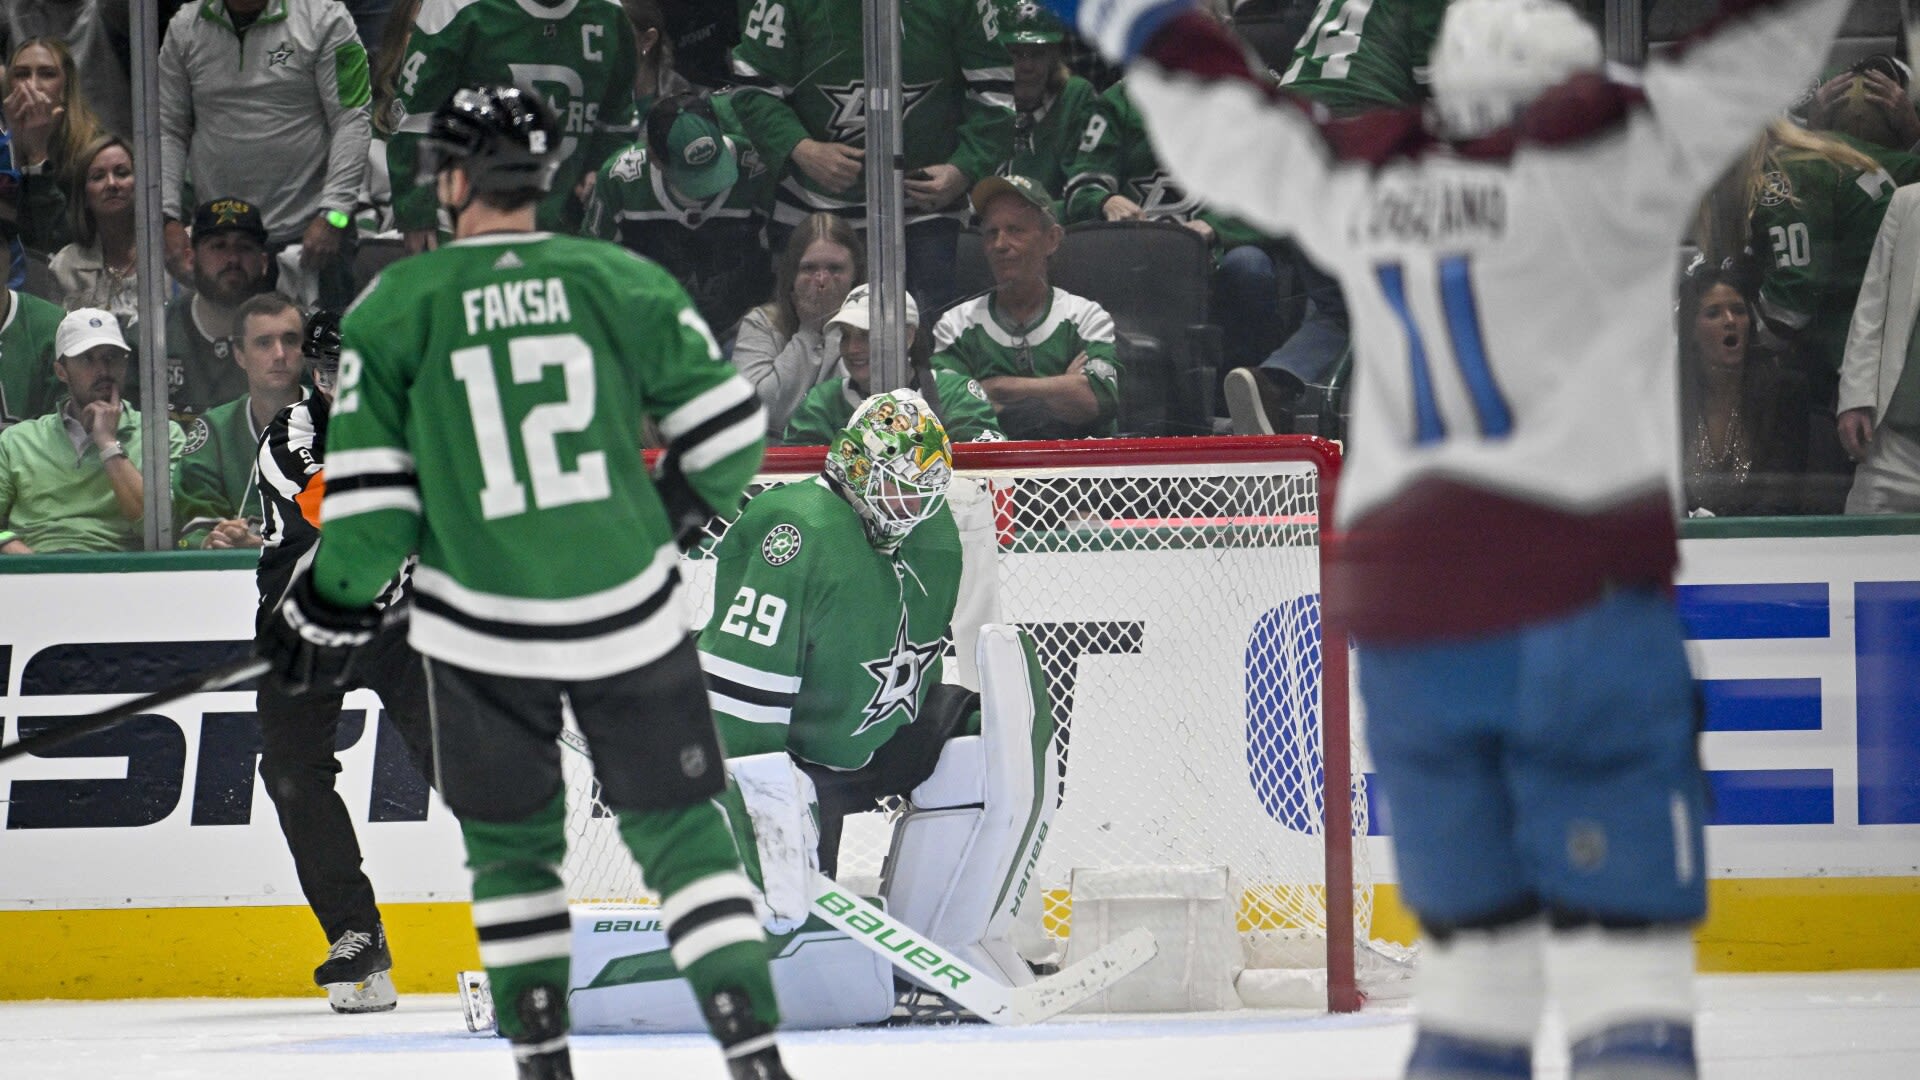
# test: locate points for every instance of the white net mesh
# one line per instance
(1176, 610)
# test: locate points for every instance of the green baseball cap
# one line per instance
(685, 139)
(1030, 24)
(1027, 188)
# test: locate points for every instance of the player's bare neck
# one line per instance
(479, 219)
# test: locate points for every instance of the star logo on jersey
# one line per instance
(781, 545)
(1161, 197)
(849, 121)
(630, 165)
(899, 676)
(197, 434)
(1775, 189)
(281, 54)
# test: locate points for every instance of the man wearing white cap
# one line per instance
(962, 406)
(70, 480)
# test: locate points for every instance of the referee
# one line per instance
(298, 731)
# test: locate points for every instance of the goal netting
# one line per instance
(1172, 588)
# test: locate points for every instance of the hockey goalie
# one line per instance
(833, 599)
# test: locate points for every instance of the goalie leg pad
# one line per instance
(783, 809)
(1611, 983)
(962, 855)
(1485, 986)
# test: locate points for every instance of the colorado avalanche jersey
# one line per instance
(1514, 431)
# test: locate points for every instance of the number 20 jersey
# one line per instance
(1515, 434)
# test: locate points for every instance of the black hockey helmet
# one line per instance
(321, 346)
(506, 138)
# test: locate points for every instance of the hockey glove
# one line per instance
(310, 643)
(784, 809)
(1118, 28)
(687, 512)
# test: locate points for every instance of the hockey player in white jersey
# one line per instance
(1508, 505)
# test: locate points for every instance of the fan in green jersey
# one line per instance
(834, 601)
(958, 400)
(488, 418)
(1051, 105)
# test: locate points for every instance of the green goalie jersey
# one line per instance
(1364, 54)
(803, 77)
(1114, 157)
(488, 416)
(1813, 227)
(819, 644)
(578, 55)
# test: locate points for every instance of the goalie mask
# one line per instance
(1494, 57)
(892, 463)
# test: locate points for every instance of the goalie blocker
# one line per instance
(958, 876)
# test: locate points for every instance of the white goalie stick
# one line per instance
(980, 993)
(939, 969)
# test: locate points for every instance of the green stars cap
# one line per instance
(1027, 188)
(684, 137)
(1028, 23)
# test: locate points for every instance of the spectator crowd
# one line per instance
(288, 133)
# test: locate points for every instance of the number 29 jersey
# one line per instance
(818, 644)
(488, 415)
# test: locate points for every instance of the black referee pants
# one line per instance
(298, 764)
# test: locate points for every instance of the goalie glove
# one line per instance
(311, 643)
(1119, 28)
(783, 807)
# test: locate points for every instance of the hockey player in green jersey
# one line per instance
(693, 196)
(1051, 105)
(488, 417)
(578, 54)
(832, 605)
(962, 406)
(1044, 356)
(802, 96)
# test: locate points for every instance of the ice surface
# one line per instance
(1862, 1026)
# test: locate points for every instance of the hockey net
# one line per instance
(1172, 589)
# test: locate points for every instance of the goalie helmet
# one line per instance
(505, 138)
(892, 463)
(320, 345)
(1493, 57)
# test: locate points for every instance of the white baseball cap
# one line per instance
(84, 329)
(857, 310)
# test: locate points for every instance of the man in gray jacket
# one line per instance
(267, 101)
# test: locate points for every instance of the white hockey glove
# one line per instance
(781, 802)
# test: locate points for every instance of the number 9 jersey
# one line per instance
(818, 644)
(488, 415)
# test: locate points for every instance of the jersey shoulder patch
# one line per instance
(197, 434)
(781, 544)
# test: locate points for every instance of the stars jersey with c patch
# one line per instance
(818, 644)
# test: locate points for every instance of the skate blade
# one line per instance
(374, 995)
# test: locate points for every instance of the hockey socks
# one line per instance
(688, 856)
(520, 917)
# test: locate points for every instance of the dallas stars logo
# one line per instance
(899, 677)
(1160, 196)
(849, 121)
(281, 54)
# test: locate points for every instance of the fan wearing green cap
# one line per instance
(693, 196)
(1051, 106)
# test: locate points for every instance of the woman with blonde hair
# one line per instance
(48, 124)
(1811, 204)
(99, 269)
(784, 347)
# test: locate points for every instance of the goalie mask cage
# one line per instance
(1172, 588)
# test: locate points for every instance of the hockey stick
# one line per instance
(982, 994)
(204, 683)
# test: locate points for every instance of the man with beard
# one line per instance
(68, 480)
(229, 265)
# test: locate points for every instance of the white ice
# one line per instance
(1858, 1026)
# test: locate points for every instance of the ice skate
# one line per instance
(355, 973)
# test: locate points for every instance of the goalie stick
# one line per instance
(206, 682)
